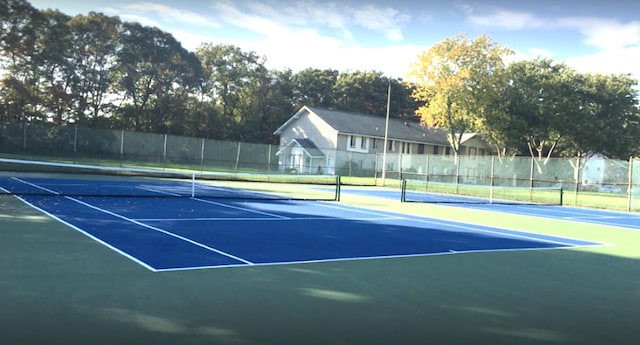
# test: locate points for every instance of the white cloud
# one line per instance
(613, 61)
(260, 18)
(170, 14)
(598, 32)
(142, 20)
(392, 61)
(618, 43)
(384, 20)
(539, 52)
(504, 19)
(296, 37)
(256, 23)
(604, 34)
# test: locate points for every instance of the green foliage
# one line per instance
(456, 81)
(549, 107)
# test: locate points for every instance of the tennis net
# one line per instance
(26, 177)
(438, 192)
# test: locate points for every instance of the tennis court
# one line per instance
(178, 233)
(161, 260)
(584, 215)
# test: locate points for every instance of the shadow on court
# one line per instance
(61, 287)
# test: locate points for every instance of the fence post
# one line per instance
(630, 185)
(457, 163)
(75, 138)
(269, 159)
(375, 169)
(24, 135)
(531, 171)
(577, 183)
(121, 146)
(238, 156)
(427, 167)
(202, 156)
(350, 163)
(493, 162)
(164, 151)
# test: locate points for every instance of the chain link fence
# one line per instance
(588, 182)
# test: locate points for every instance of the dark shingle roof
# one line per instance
(307, 145)
(310, 147)
(373, 126)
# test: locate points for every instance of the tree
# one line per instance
(362, 92)
(530, 100)
(19, 23)
(55, 65)
(155, 74)
(455, 82)
(609, 120)
(314, 87)
(93, 45)
(234, 82)
(273, 107)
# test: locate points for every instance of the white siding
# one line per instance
(309, 126)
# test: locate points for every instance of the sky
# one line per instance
(592, 36)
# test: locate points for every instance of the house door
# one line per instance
(330, 170)
(295, 161)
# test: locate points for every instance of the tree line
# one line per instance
(536, 106)
(100, 71)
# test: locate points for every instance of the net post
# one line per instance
(337, 197)
(403, 190)
(561, 196)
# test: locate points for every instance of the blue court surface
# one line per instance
(170, 233)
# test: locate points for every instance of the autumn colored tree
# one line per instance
(455, 82)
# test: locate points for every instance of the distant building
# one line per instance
(317, 140)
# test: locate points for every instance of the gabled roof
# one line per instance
(350, 123)
(307, 146)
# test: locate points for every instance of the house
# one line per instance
(318, 140)
(599, 170)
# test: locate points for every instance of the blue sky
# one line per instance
(387, 35)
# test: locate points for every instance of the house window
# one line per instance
(374, 143)
(473, 152)
(406, 148)
(435, 150)
(447, 150)
(420, 149)
(391, 145)
(357, 143)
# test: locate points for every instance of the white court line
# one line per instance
(379, 216)
(223, 205)
(358, 258)
(242, 208)
(134, 259)
(245, 219)
(162, 231)
(188, 240)
(472, 227)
